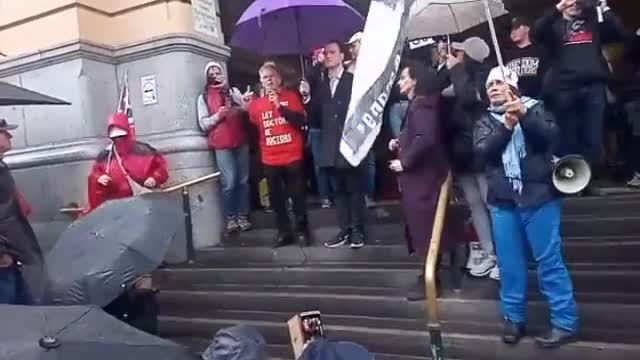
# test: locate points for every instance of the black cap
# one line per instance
(518, 21)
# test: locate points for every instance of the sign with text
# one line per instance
(205, 17)
(149, 90)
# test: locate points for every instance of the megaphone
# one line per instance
(571, 174)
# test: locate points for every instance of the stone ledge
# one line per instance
(83, 49)
(88, 149)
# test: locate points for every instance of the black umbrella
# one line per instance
(102, 253)
(15, 95)
(77, 333)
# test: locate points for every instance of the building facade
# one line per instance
(79, 51)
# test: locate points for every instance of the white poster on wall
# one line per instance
(205, 17)
(149, 90)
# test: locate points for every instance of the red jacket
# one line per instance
(228, 133)
(140, 160)
(281, 143)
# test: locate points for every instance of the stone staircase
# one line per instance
(361, 293)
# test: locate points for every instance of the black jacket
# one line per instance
(16, 235)
(574, 46)
(331, 112)
(470, 102)
(490, 140)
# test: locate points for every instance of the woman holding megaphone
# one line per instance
(514, 140)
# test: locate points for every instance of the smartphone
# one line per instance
(312, 326)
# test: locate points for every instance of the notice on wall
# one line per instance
(149, 90)
(205, 17)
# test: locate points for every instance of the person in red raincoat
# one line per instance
(124, 164)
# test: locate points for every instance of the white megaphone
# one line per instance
(571, 174)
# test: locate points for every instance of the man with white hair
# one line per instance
(513, 139)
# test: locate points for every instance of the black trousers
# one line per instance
(287, 182)
(350, 196)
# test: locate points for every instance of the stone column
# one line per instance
(79, 50)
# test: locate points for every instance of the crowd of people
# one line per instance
(497, 130)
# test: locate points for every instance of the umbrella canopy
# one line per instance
(292, 27)
(15, 95)
(98, 255)
(77, 333)
(445, 17)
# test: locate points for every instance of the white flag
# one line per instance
(378, 62)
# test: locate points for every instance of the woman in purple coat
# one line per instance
(422, 161)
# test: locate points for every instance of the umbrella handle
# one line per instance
(494, 36)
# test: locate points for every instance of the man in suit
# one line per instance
(329, 103)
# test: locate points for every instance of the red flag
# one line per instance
(124, 104)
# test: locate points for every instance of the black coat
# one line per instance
(331, 113)
(468, 81)
(490, 140)
(16, 235)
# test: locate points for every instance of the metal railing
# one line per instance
(75, 211)
(433, 323)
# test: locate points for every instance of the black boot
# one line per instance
(302, 235)
(512, 332)
(555, 337)
(417, 291)
(283, 239)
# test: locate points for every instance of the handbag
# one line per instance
(136, 188)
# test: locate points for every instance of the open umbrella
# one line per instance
(445, 17)
(100, 254)
(15, 95)
(294, 27)
(77, 333)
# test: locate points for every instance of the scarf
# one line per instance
(516, 149)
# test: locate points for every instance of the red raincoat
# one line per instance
(140, 160)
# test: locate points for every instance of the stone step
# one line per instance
(591, 250)
(390, 212)
(473, 289)
(575, 228)
(588, 281)
(408, 342)
(599, 322)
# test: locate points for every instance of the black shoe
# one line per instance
(555, 337)
(303, 239)
(357, 239)
(417, 291)
(283, 239)
(342, 238)
(512, 332)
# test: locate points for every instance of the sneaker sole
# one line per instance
(356, 246)
(336, 245)
(480, 274)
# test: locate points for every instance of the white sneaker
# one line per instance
(476, 253)
(483, 266)
(495, 273)
(635, 182)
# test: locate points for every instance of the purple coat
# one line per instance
(425, 163)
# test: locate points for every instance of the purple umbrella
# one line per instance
(287, 27)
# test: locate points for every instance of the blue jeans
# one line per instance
(234, 167)
(13, 288)
(326, 182)
(580, 118)
(371, 175)
(518, 230)
(397, 112)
